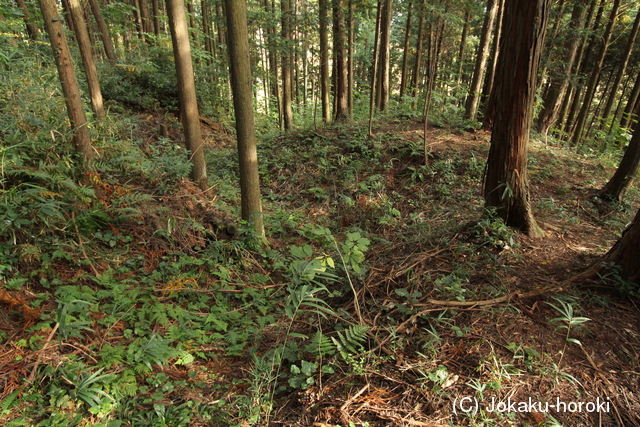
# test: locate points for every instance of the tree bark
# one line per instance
(463, 45)
(415, 76)
(384, 76)
(374, 73)
(287, 66)
(405, 51)
(32, 29)
(68, 80)
(341, 93)
(82, 36)
(471, 106)
(506, 183)
(241, 84)
(324, 62)
(187, 90)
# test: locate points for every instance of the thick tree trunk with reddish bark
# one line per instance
(506, 184)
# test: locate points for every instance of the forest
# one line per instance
(336, 213)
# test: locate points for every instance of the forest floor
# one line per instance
(385, 296)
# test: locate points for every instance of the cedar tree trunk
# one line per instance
(68, 80)
(187, 90)
(506, 184)
(241, 85)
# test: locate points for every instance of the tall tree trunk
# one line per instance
(341, 112)
(104, 31)
(628, 115)
(595, 74)
(415, 76)
(155, 10)
(463, 46)
(241, 84)
(32, 29)
(287, 66)
(506, 186)
(559, 84)
(207, 31)
(405, 51)
(384, 70)
(82, 35)
(374, 73)
(586, 53)
(350, 63)
(491, 70)
(622, 69)
(68, 80)
(325, 88)
(187, 90)
(471, 106)
(67, 15)
(273, 62)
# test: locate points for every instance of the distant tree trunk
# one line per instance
(287, 66)
(207, 31)
(559, 84)
(341, 112)
(463, 45)
(384, 77)
(187, 90)
(82, 35)
(595, 74)
(374, 73)
(155, 10)
(325, 88)
(273, 60)
(145, 15)
(491, 70)
(506, 183)
(67, 15)
(622, 69)
(629, 111)
(32, 29)
(405, 51)
(350, 63)
(615, 189)
(415, 76)
(241, 84)
(68, 80)
(471, 106)
(104, 31)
